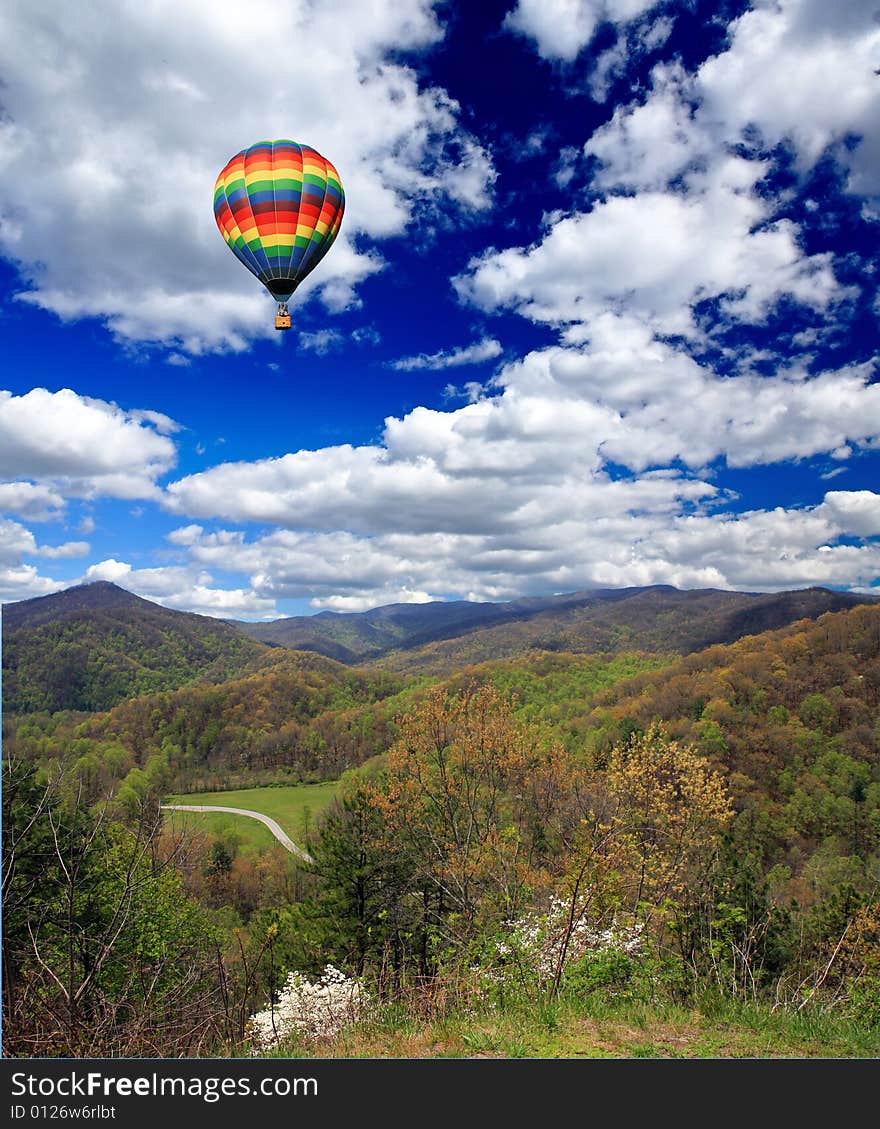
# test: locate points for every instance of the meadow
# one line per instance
(294, 807)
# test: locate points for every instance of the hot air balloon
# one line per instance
(279, 207)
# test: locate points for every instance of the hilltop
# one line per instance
(95, 645)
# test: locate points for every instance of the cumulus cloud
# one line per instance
(594, 462)
(798, 72)
(15, 542)
(55, 446)
(663, 406)
(485, 350)
(67, 551)
(562, 28)
(570, 476)
(543, 444)
(23, 582)
(185, 535)
(116, 124)
(685, 217)
(78, 446)
(856, 511)
(183, 589)
(18, 580)
(803, 71)
(762, 550)
(657, 254)
(682, 217)
(32, 502)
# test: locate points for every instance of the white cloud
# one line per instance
(684, 219)
(564, 412)
(67, 551)
(803, 71)
(471, 390)
(184, 535)
(656, 255)
(15, 542)
(695, 223)
(374, 599)
(184, 589)
(23, 582)
(81, 447)
(117, 121)
(165, 425)
(514, 493)
(569, 158)
(855, 511)
(798, 71)
(485, 350)
(562, 28)
(761, 550)
(111, 570)
(366, 335)
(592, 462)
(645, 145)
(34, 503)
(610, 65)
(322, 341)
(662, 406)
(20, 581)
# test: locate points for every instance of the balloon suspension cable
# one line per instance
(282, 316)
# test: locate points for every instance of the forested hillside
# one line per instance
(437, 638)
(648, 619)
(763, 703)
(93, 646)
(295, 712)
(353, 637)
(540, 831)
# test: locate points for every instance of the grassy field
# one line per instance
(596, 1028)
(292, 806)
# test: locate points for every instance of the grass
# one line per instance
(596, 1027)
(292, 806)
(247, 834)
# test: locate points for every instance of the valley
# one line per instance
(680, 789)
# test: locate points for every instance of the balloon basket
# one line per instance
(282, 321)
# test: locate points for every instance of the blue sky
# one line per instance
(603, 311)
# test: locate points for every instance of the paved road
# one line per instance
(277, 831)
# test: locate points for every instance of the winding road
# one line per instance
(279, 833)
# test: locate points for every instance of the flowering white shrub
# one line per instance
(537, 940)
(313, 1010)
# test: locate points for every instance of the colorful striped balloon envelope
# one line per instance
(279, 207)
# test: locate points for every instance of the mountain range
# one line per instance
(92, 646)
(434, 638)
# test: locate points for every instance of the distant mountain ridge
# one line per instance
(351, 637)
(92, 646)
(95, 645)
(437, 637)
